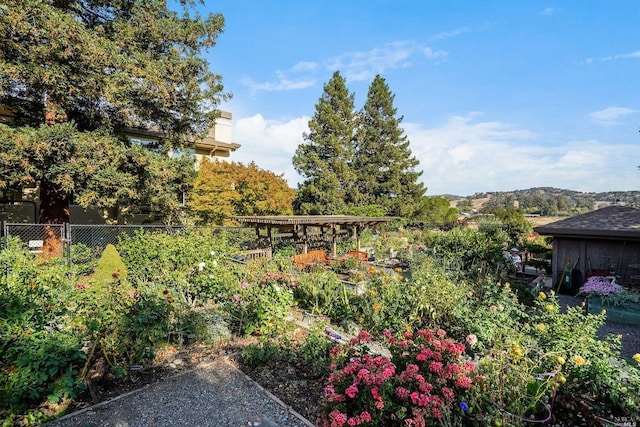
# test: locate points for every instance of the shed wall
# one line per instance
(596, 257)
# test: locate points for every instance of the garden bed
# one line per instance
(628, 314)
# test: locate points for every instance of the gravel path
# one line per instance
(216, 394)
(630, 333)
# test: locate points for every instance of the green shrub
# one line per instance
(109, 266)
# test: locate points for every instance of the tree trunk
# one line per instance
(54, 207)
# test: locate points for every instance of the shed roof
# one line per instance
(313, 220)
(609, 222)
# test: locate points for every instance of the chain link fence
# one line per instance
(59, 239)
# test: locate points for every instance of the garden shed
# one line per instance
(603, 242)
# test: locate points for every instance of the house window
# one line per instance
(179, 152)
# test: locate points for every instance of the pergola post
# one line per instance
(334, 243)
(305, 244)
(357, 229)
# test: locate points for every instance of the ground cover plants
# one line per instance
(437, 346)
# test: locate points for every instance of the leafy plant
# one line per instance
(425, 381)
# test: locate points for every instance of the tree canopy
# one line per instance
(325, 159)
(355, 163)
(385, 166)
(105, 67)
(223, 190)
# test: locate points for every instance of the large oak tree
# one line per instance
(77, 74)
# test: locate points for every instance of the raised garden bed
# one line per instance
(628, 314)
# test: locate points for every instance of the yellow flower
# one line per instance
(541, 327)
(550, 308)
(578, 360)
(372, 292)
(562, 379)
(560, 360)
(377, 307)
(542, 295)
(551, 292)
(603, 311)
(636, 357)
(517, 351)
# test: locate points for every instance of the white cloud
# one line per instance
(304, 66)
(270, 144)
(449, 34)
(464, 156)
(431, 54)
(630, 55)
(361, 66)
(610, 115)
(549, 11)
(286, 80)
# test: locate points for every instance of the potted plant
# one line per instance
(602, 292)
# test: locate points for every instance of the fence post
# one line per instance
(66, 241)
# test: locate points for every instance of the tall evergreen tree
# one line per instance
(325, 160)
(383, 161)
(103, 65)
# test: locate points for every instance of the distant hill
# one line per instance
(545, 200)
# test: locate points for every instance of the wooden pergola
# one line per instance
(298, 225)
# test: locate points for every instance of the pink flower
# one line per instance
(365, 416)
(363, 373)
(387, 333)
(388, 371)
(338, 417)
(441, 333)
(426, 334)
(379, 404)
(448, 394)
(402, 393)
(244, 285)
(351, 391)
(425, 387)
(464, 382)
(408, 335)
(423, 400)
(437, 414)
(329, 390)
(364, 336)
(452, 369)
(375, 393)
(353, 421)
(435, 367)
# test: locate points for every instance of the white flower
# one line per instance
(201, 266)
(214, 263)
(472, 339)
(277, 288)
(212, 253)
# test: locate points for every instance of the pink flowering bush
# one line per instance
(423, 383)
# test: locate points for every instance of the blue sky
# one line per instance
(495, 95)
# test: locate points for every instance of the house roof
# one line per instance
(609, 222)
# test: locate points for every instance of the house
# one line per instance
(21, 205)
(217, 145)
(604, 242)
